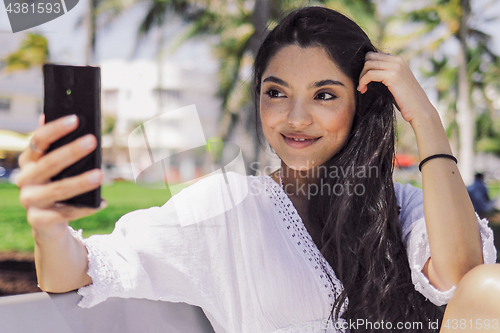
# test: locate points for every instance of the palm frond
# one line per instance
(33, 52)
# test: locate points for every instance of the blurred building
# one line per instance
(134, 92)
(21, 93)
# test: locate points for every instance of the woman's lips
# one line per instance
(299, 141)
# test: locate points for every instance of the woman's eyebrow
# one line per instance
(325, 83)
(317, 84)
(274, 79)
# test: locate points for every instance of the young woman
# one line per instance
(326, 243)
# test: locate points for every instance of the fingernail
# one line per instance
(70, 120)
(94, 177)
(86, 142)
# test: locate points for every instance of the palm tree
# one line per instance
(455, 17)
(240, 25)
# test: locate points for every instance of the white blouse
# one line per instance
(236, 247)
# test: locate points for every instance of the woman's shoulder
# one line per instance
(213, 196)
(208, 198)
(220, 185)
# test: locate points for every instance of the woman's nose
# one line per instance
(300, 114)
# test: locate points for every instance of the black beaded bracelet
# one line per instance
(451, 157)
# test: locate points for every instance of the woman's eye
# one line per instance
(325, 96)
(274, 93)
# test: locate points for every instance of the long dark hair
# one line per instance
(361, 236)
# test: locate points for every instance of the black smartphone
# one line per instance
(75, 90)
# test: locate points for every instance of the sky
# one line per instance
(67, 41)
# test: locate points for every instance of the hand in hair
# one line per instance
(396, 75)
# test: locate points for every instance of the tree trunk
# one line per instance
(260, 18)
(465, 117)
(91, 31)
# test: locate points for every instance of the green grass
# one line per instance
(122, 197)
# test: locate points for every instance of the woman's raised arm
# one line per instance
(452, 227)
(61, 259)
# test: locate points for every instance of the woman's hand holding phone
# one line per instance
(38, 194)
(61, 260)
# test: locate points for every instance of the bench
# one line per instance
(59, 313)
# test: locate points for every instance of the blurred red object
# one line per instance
(405, 160)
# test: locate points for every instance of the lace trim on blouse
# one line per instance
(418, 246)
(304, 243)
(105, 281)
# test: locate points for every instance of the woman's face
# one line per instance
(306, 105)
